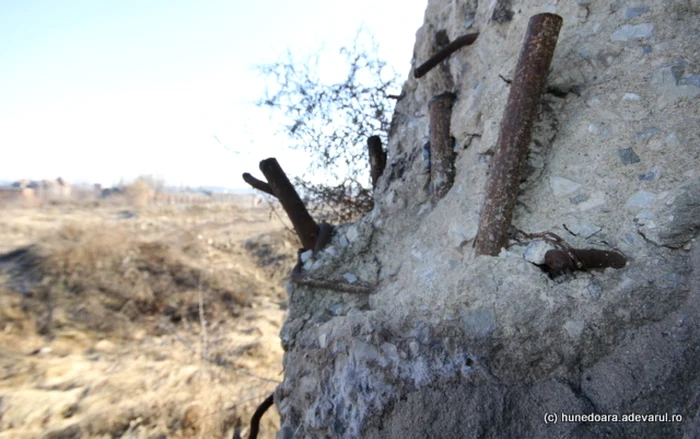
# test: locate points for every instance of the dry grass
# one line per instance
(161, 323)
(139, 192)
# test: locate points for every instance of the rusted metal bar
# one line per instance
(299, 278)
(341, 286)
(257, 184)
(442, 169)
(583, 259)
(325, 233)
(259, 412)
(282, 188)
(529, 83)
(458, 43)
(377, 159)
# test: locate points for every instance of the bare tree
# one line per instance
(332, 120)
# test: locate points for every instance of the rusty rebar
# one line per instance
(325, 233)
(458, 43)
(257, 416)
(299, 278)
(303, 223)
(583, 259)
(341, 286)
(377, 159)
(257, 184)
(529, 83)
(442, 169)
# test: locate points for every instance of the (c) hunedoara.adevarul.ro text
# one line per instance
(553, 418)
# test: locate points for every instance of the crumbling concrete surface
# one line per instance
(450, 344)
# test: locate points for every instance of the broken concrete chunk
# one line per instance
(330, 251)
(684, 222)
(634, 12)
(536, 250)
(336, 309)
(479, 323)
(447, 338)
(640, 199)
(632, 32)
(574, 328)
(580, 198)
(628, 156)
(463, 234)
(352, 234)
(502, 11)
(391, 352)
(581, 228)
(365, 352)
(653, 174)
(647, 134)
(562, 186)
(306, 256)
(673, 224)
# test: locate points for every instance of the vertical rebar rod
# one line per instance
(377, 159)
(303, 223)
(529, 83)
(442, 169)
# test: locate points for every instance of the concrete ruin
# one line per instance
(451, 344)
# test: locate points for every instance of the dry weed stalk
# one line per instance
(202, 322)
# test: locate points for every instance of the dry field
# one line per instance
(139, 322)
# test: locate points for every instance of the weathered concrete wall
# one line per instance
(454, 345)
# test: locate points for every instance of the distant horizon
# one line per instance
(214, 188)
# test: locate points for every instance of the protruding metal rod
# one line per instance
(529, 83)
(259, 412)
(325, 233)
(442, 167)
(558, 260)
(377, 159)
(257, 184)
(342, 286)
(304, 225)
(458, 43)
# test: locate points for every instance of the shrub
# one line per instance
(332, 121)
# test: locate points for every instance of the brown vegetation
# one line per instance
(157, 323)
(139, 193)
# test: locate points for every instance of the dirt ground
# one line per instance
(150, 322)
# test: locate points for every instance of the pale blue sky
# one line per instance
(96, 90)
